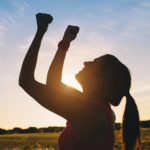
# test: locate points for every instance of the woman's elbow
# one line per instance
(21, 80)
(24, 82)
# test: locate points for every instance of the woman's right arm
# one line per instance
(54, 100)
(29, 63)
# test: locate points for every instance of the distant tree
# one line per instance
(58, 129)
(31, 130)
(51, 129)
(145, 124)
(9, 131)
(3, 131)
(41, 130)
(17, 130)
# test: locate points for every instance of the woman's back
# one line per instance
(67, 141)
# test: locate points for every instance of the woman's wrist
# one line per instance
(66, 40)
(64, 45)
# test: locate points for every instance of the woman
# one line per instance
(89, 116)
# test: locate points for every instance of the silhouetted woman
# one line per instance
(90, 120)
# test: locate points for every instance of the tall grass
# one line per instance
(48, 141)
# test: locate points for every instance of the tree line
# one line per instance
(143, 124)
(31, 130)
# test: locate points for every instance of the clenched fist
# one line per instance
(70, 33)
(43, 20)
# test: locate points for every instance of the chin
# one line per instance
(78, 77)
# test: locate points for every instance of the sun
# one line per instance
(71, 81)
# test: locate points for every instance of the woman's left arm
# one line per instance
(55, 70)
(54, 75)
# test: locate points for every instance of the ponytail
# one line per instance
(118, 83)
(131, 125)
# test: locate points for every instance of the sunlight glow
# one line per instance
(105, 28)
(71, 81)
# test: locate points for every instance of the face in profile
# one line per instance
(90, 71)
(107, 77)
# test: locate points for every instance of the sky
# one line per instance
(118, 27)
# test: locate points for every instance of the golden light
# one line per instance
(71, 81)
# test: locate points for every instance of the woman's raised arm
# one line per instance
(29, 63)
(55, 70)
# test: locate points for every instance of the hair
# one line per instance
(118, 82)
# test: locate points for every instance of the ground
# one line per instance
(48, 141)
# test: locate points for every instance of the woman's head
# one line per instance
(111, 80)
(106, 75)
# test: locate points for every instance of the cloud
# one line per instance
(20, 7)
(142, 88)
(2, 28)
(145, 4)
(8, 18)
(24, 46)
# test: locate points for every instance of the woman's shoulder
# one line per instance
(93, 126)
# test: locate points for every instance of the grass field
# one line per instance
(48, 141)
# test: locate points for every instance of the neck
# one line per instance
(93, 95)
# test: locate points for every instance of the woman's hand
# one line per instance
(42, 21)
(70, 33)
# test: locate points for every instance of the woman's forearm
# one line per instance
(55, 70)
(29, 63)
